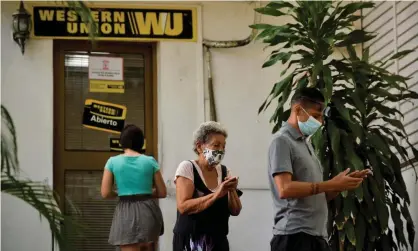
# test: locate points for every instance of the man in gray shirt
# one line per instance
(296, 179)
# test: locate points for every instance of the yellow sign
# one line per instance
(107, 86)
(129, 24)
(104, 116)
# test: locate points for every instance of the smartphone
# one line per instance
(233, 179)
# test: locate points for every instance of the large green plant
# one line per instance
(38, 194)
(353, 134)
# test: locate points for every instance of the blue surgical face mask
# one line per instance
(310, 126)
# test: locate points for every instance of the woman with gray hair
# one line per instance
(206, 194)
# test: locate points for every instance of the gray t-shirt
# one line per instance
(291, 152)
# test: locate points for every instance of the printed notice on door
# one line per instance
(103, 116)
(106, 74)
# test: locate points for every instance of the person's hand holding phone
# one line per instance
(232, 182)
(361, 174)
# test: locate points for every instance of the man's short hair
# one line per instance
(132, 138)
(308, 97)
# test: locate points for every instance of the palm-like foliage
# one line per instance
(353, 135)
(37, 194)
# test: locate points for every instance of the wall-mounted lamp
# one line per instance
(22, 25)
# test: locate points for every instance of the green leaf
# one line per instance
(328, 82)
(354, 160)
(341, 235)
(277, 113)
(269, 11)
(41, 198)
(393, 79)
(340, 221)
(261, 26)
(358, 103)
(350, 233)
(396, 217)
(302, 83)
(387, 111)
(376, 142)
(342, 109)
(284, 57)
(276, 127)
(401, 54)
(288, 66)
(317, 139)
(409, 224)
(353, 7)
(266, 34)
(335, 137)
(348, 206)
(9, 160)
(277, 90)
(315, 71)
(368, 207)
(373, 232)
(408, 95)
(396, 123)
(382, 210)
(286, 93)
(279, 5)
(415, 152)
(359, 193)
(366, 53)
(379, 92)
(356, 37)
(351, 52)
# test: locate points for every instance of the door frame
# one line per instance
(59, 48)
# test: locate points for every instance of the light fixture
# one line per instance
(22, 25)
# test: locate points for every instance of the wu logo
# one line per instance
(105, 64)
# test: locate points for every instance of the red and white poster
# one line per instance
(106, 68)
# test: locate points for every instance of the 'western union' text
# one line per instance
(115, 22)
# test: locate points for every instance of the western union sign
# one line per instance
(148, 24)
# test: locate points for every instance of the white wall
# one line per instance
(240, 87)
(27, 93)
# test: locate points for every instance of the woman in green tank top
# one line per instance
(137, 220)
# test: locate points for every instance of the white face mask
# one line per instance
(310, 126)
(214, 157)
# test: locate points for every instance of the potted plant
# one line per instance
(355, 90)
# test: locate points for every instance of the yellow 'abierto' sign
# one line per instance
(104, 116)
(130, 24)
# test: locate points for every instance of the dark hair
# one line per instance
(308, 97)
(132, 138)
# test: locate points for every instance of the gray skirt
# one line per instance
(137, 219)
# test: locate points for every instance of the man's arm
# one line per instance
(296, 189)
(280, 162)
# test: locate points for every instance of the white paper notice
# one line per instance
(106, 68)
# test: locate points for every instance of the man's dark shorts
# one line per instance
(299, 242)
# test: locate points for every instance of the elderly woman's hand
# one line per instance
(223, 189)
(232, 183)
